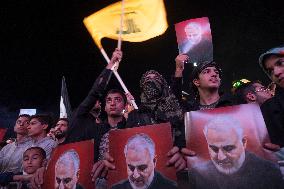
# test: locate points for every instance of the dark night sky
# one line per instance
(42, 40)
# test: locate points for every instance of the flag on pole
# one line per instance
(143, 20)
(65, 107)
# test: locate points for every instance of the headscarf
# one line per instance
(157, 96)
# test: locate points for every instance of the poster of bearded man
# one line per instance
(70, 166)
(229, 144)
(140, 156)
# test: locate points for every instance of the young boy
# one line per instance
(33, 158)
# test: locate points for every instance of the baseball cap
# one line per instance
(274, 51)
(198, 69)
(201, 66)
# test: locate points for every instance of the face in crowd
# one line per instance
(21, 125)
(262, 93)
(33, 159)
(67, 171)
(226, 146)
(141, 164)
(152, 85)
(193, 33)
(209, 78)
(36, 128)
(61, 128)
(115, 104)
(274, 65)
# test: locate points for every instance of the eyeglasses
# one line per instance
(262, 89)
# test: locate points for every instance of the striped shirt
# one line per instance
(11, 155)
(46, 143)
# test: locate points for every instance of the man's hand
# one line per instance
(187, 152)
(129, 97)
(129, 106)
(176, 159)
(189, 156)
(100, 168)
(23, 178)
(115, 59)
(272, 147)
(180, 60)
(37, 178)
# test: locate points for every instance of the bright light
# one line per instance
(27, 111)
(194, 64)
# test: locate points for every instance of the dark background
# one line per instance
(42, 40)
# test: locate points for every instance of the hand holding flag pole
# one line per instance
(118, 77)
(145, 19)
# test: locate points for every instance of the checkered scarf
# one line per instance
(158, 97)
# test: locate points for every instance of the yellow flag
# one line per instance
(143, 19)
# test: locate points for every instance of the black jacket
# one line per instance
(143, 117)
(273, 114)
(255, 173)
(83, 125)
(226, 99)
(159, 182)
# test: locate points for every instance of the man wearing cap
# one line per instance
(205, 83)
(272, 63)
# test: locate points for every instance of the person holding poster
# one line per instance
(158, 105)
(205, 84)
(141, 160)
(32, 159)
(231, 165)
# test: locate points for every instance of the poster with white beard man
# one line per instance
(229, 145)
(140, 156)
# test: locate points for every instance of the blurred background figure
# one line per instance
(59, 132)
(252, 92)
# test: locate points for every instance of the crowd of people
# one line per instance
(23, 162)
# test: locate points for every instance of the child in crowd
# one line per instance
(33, 158)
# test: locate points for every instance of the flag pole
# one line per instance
(121, 26)
(118, 77)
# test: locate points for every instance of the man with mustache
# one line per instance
(141, 161)
(67, 170)
(61, 129)
(231, 166)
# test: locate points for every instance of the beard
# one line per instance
(235, 165)
(146, 182)
(60, 134)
